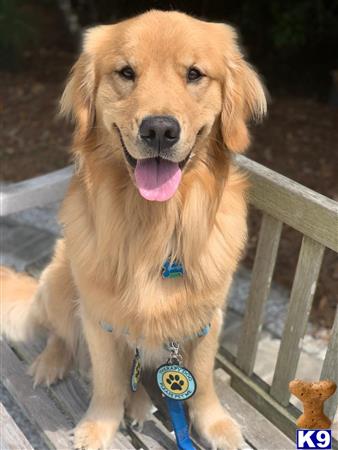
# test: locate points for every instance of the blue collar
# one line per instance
(202, 332)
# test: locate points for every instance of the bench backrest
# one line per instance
(282, 201)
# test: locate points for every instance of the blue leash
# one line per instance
(180, 424)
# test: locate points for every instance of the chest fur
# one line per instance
(117, 247)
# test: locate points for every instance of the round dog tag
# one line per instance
(175, 382)
(136, 371)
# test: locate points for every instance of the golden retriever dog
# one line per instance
(160, 103)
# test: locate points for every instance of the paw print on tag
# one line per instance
(175, 382)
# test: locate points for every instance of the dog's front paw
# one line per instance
(93, 435)
(51, 365)
(138, 407)
(225, 434)
(219, 429)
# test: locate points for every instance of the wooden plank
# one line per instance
(36, 404)
(303, 209)
(12, 437)
(71, 394)
(153, 436)
(34, 192)
(256, 392)
(330, 368)
(303, 289)
(258, 396)
(257, 430)
(262, 272)
(247, 446)
(121, 442)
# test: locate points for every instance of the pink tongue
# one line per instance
(157, 179)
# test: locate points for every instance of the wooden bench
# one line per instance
(264, 411)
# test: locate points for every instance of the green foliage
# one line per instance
(289, 25)
(17, 29)
(298, 23)
(286, 26)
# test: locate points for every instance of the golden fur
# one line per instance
(107, 266)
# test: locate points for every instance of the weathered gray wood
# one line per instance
(37, 405)
(262, 272)
(303, 289)
(71, 394)
(330, 368)
(11, 437)
(153, 436)
(249, 389)
(256, 393)
(257, 430)
(36, 191)
(303, 209)
(121, 442)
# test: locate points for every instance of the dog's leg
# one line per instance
(110, 381)
(208, 416)
(52, 363)
(54, 307)
(138, 406)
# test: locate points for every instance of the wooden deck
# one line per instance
(53, 412)
(264, 410)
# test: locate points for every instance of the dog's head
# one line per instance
(154, 87)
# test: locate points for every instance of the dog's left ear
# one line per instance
(244, 96)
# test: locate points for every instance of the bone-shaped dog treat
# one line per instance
(313, 396)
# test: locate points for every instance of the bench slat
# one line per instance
(71, 394)
(262, 272)
(154, 436)
(330, 368)
(305, 210)
(37, 191)
(303, 289)
(12, 437)
(258, 430)
(39, 408)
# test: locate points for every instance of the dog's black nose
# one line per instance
(160, 132)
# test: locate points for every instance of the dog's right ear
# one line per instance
(78, 99)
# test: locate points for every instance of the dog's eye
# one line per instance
(194, 74)
(127, 73)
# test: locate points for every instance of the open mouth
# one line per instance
(133, 161)
(157, 179)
